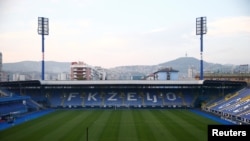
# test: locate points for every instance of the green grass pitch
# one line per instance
(112, 125)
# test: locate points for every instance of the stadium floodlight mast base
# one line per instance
(43, 29)
(201, 28)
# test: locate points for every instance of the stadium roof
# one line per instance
(122, 82)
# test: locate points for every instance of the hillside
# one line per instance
(35, 66)
(181, 64)
(121, 72)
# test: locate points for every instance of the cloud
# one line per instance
(229, 26)
(74, 27)
(155, 30)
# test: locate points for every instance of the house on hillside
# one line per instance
(164, 74)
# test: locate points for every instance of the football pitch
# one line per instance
(112, 125)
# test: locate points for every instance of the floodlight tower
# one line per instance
(43, 29)
(201, 28)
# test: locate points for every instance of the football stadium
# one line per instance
(120, 110)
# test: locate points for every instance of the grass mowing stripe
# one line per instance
(174, 126)
(97, 127)
(111, 130)
(180, 122)
(166, 133)
(24, 130)
(158, 129)
(67, 126)
(51, 125)
(194, 118)
(79, 131)
(127, 131)
(108, 125)
(15, 130)
(203, 120)
(143, 130)
(64, 128)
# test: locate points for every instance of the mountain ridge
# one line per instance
(182, 64)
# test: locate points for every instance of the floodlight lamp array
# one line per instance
(201, 25)
(43, 26)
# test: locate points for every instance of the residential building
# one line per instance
(83, 71)
(164, 74)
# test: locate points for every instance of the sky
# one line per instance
(111, 33)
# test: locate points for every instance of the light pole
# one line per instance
(43, 29)
(201, 28)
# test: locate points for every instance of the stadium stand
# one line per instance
(96, 99)
(229, 99)
(11, 106)
(234, 106)
(16, 104)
